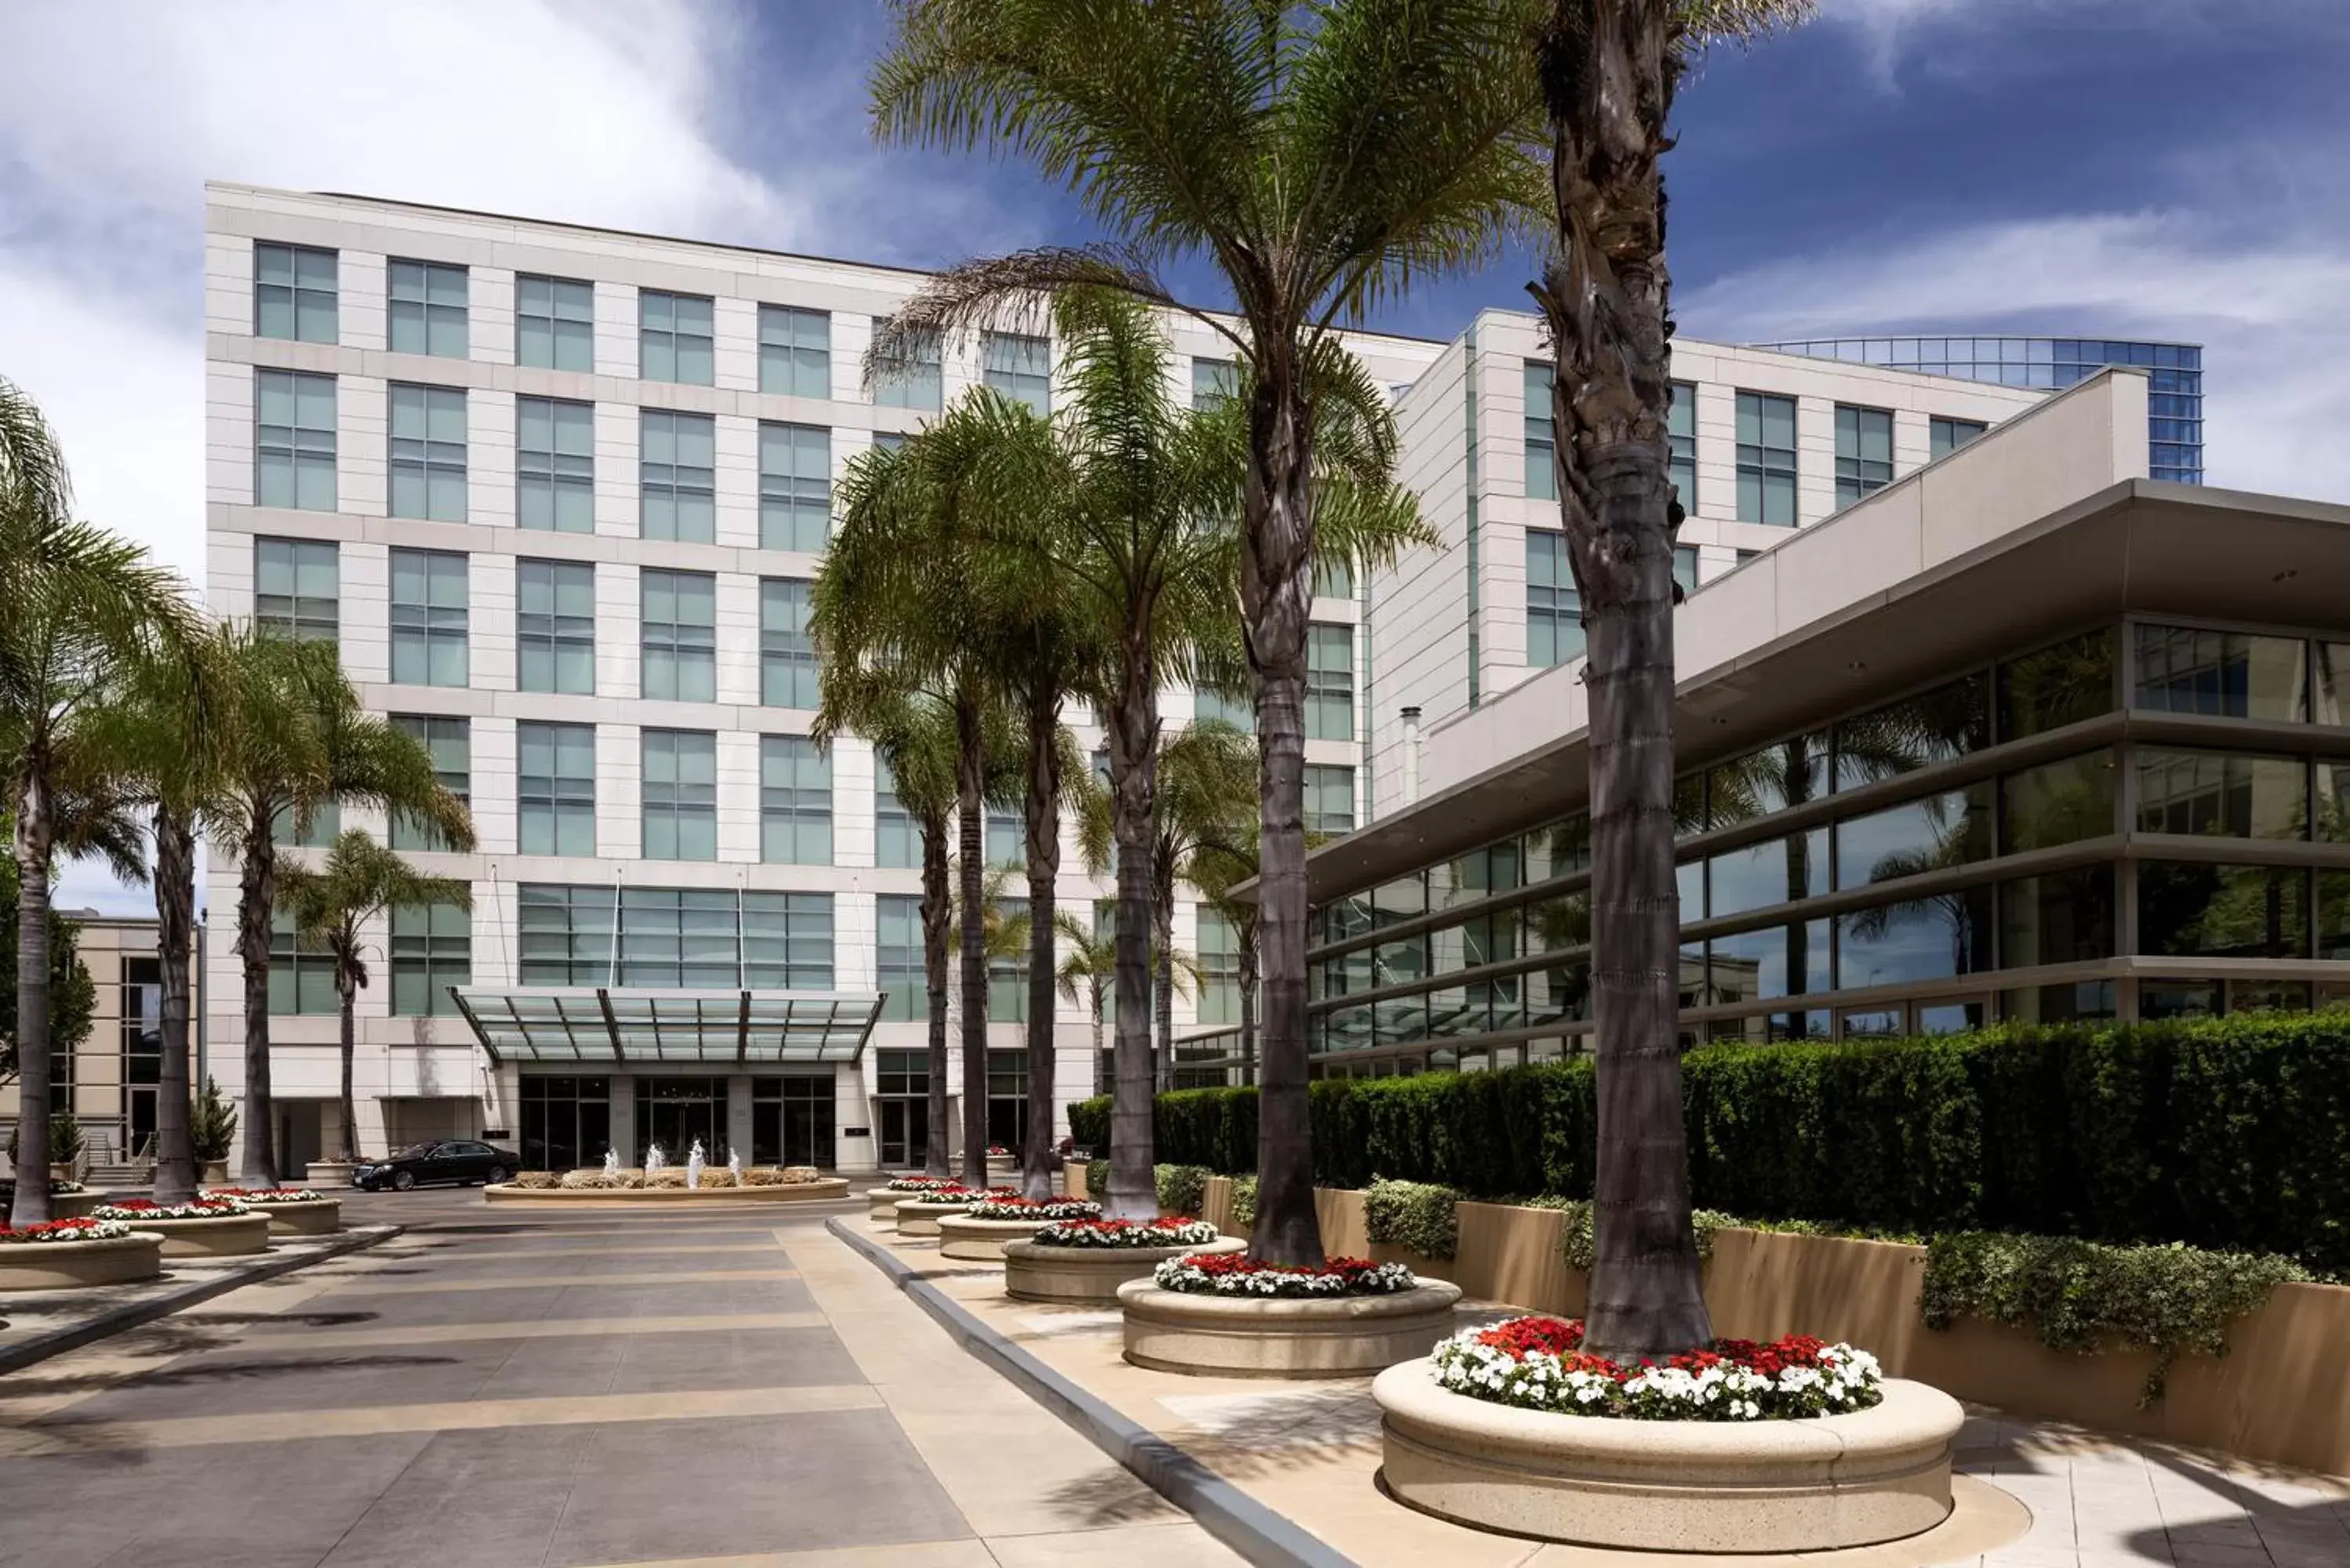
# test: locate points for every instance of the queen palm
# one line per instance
(302, 744)
(1088, 967)
(1607, 71)
(83, 608)
(1321, 159)
(333, 906)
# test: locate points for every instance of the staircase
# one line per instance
(116, 1177)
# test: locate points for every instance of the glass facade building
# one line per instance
(2174, 408)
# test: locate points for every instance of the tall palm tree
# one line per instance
(1088, 967)
(360, 882)
(303, 742)
(1215, 869)
(1323, 159)
(1607, 71)
(82, 609)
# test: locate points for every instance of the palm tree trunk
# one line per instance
(1607, 71)
(937, 929)
(1248, 1001)
(256, 892)
(1162, 990)
(175, 911)
(347, 994)
(1044, 812)
(970, 763)
(1131, 728)
(33, 828)
(1287, 1229)
(1094, 1006)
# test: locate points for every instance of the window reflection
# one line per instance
(2061, 685)
(1930, 834)
(2081, 1002)
(2222, 911)
(1558, 849)
(1776, 871)
(1778, 961)
(1922, 939)
(2224, 793)
(1950, 1017)
(2232, 674)
(1931, 727)
(2063, 918)
(2061, 802)
(2332, 687)
(2334, 914)
(1556, 924)
(1787, 773)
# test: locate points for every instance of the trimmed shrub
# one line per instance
(1414, 1214)
(1182, 1188)
(1089, 1124)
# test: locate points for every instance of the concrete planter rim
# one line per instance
(1063, 1257)
(13, 1250)
(923, 1209)
(1010, 1229)
(1228, 1313)
(166, 1227)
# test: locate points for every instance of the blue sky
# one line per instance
(2128, 168)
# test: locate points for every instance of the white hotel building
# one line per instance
(558, 493)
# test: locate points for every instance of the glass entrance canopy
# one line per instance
(604, 1026)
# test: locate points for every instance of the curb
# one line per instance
(1254, 1531)
(134, 1315)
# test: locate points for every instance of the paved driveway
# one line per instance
(501, 1387)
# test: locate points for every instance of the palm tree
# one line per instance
(360, 882)
(1215, 869)
(1323, 159)
(1607, 70)
(83, 609)
(302, 743)
(1088, 966)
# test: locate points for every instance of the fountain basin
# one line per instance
(675, 1196)
(1035, 1273)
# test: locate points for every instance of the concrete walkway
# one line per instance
(501, 1387)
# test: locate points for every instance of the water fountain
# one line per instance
(693, 1166)
(735, 1165)
(612, 1165)
(655, 1160)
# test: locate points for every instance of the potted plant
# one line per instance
(212, 1128)
(65, 1143)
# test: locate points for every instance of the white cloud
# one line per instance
(2273, 332)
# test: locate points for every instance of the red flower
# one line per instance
(1522, 1336)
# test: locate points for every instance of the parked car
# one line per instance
(457, 1159)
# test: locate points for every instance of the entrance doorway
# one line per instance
(905, 1133)
(792, 1121)
(674, 1111)
(300, 1137)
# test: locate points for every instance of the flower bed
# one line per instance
(1231, 1274)
(992, 1208)
(146, 1211)
(268, 1194)
(292, 1211)
(51, 1231)
(207, 1227)
(1538, 1363)
(1167, 1231)
(917, 1214)
(920, 1184)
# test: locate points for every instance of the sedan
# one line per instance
(460, 1160)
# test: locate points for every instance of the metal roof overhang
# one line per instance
(2142, 546)
(595, 1025)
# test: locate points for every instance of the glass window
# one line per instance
(1935, 726)
(428, 614)
(1334, 577)
(451, 742)
(301, 972)
(1558, 849)
(1005, 838)
(2224, 793)
(555, 787)
(1007, 970)
(677, 485)
(1685, 567)
(1541, 467)
(1330, 683)
(555, 465)
(1774, 778)
(1756, 965)
(565, 935)
(428, 309)
(294, 440)
(897, 836)
(2061, 802)
(2334, 915)
(1212, 379)
(1918, 939)
(2082, 1002)
(1930, 834)
(679, 784)
(1239, 711)
(1554, 609)
(673, 338)
(1767, 460)
(2232, 674)
(2222, 911)
(680, 636)
(682, 938)
(916, 384)
(1219, 968)
(1019, 367)
(554, 323)
(554, 626)
(294, 293)
(427, 453)
(2332, 802)
(432, 950)
(1864, 462)
(324, 825)
(1680, 438)
(787, 662)
(1329, 798)
(1944, 437)
(794, 351)
(795, 486)
(904, 981)
(296, 588)
(1775, 871)
(794, 802)
(2059, 685)
(2332, 684)
(2063, 918)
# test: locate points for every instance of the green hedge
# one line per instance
(2232, 1133)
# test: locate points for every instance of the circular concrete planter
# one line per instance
(981, 1241)
(882, 1204)
(1002, 1172)
(917, 1217)
(307, 1217)
(1269, 1336)
(231, 1236)
(675, 1196)
(1811, 1485)
(73, 1205)
(1033, 1272)
(327, 1173)
(77, 1265)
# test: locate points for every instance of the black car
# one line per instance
(457, 1159)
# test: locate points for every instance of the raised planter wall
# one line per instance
(315, 1216)
(231, 1236)
(77, 1265)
